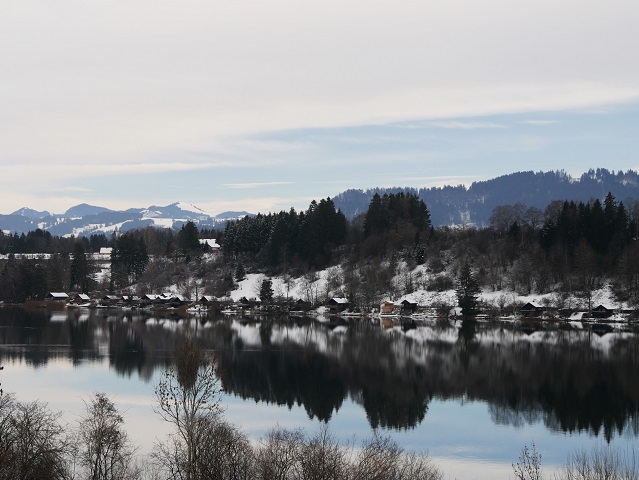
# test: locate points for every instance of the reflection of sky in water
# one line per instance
(461, 437)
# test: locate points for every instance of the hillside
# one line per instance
(455, 205)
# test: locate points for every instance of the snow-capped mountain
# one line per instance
(31, 213)
(84, 220)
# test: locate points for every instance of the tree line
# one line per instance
(568, 250)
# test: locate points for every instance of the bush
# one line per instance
(602, 463)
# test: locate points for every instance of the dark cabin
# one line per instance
(337, 305)
(601, 311)
(409, 307)
(302, 306)
(531, 310)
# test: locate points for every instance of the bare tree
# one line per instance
(529, 465)
(187, 394)
(381, 458)
(228, 454)
(103, 446)
(600, 464)
(378, 459)
(32, 442)
(323, 458)
(278, 456)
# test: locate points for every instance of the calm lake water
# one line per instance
(471, 394)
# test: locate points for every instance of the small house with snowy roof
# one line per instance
(602, 311)
(210, 244)
(81, 298)
(386, 308)
(531, 310)
(337, 304)
(56, 297)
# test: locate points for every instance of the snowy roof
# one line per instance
(82, 296)
(57, 295)
(532, 304)
(339, 300)
(211, 242)
(603, 307)
(106, 250)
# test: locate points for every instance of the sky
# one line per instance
(263, 106)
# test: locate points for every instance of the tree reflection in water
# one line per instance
(571, 381)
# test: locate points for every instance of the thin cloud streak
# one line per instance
(68, 171)
(254, 184)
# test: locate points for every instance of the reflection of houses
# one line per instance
(337, 305)
(531, 310)
(602, 311)
(56, 297)
(408, 308)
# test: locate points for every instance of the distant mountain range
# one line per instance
(84, 220)
(460, 205)
(449, 205)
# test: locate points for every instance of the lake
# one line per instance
(471, 394)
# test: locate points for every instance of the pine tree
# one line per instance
(266, 291)
(80, 270)
(187, 238)
(467, 290)
(240, 273)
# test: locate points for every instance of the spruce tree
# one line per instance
(266, 291)
(467, 290)
(240, 273)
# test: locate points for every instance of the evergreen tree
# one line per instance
(129, 259)
(467, 290)
(80, 270)
(266, 291)
(187, 239)
(376, 220)
(240, 273)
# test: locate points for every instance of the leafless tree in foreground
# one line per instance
(188, 396)
(103, 448)
(602, 463)
(289, 454)
(529, 465)
(227, 453)
(32, 442)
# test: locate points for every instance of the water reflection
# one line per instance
(571, 381)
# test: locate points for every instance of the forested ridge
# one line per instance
(460, 204)
(392, 249)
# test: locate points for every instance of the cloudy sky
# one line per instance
(259, 106)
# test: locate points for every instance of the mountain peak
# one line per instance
(84, 209)
(31, 213)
